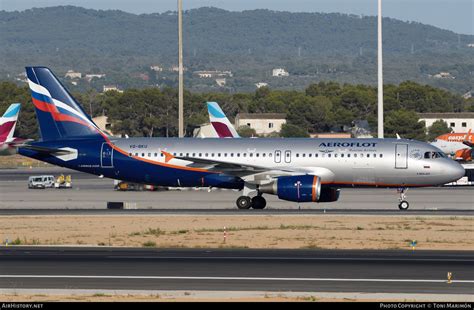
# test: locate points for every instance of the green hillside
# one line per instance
(310, 46)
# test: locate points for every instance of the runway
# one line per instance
(250, 212)
(237, 270)
(91, 192)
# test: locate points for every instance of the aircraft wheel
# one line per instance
(403, 205)
(244, 202)
(258, 202)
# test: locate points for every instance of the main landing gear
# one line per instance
(403, 203)
(245, 202)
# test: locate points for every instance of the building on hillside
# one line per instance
(103, 124)
(212, 74)
(280, 72)
(220, 82)
(459, 122)
(107, 88)
(333, 135)
(470, 45)
(156, 68)
(176, 69)
(443, 75)
(468, 94)
(263, 123)
(89, 77)
(71, 74)
(261, 84)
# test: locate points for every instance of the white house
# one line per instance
(280, 72)
(220, 82)
(89, 77)
(262, 123)
(73, 75)
(261, 84)
(459, 122)
(107, 88)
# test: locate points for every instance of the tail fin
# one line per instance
(59, 115)
(220, 122)
(8, 123)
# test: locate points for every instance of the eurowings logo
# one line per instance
(220, 122)
(8, 123)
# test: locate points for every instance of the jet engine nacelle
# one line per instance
(299, 188)
(329, 194)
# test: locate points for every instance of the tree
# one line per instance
(438, 128)
(293, 131)
(246, 132)
(406, 124)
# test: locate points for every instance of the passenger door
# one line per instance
(287, 157)
(401, 156)
(106, 156)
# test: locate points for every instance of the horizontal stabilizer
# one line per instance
(46, 150)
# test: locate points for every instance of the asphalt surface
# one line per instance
(237, 270)
(91, 192)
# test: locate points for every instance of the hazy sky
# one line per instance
(455, 15)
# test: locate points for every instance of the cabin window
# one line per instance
(143, 154)
(297, 155)
(218, 154)
(187, 154)
(309, 155)
(464, 124)
(257, 154)
(225, 154)
(129, 154)
(375, 155)
(156, 154)
(452, 125)
(270, 154)
(231, 154)
(381, 155)
(207, 154)
(329, 155)
(149, 154)
(316, 155)
(194, 154)
(250, 154)
(342, 155)
(304, 154)
(264, 154)
(212, 155)
(349, 155)
(368, 155)
(355, 155)
(335, 155)
(180, 154)
(238, 154)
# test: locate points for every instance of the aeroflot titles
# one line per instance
(347, 144)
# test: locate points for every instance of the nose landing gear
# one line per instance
(403, 203)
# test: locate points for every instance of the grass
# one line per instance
(154, 232)
(149, 244)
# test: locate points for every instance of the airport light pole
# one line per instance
(180, 70)
(380, 72)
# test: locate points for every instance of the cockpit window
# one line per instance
(434, 155)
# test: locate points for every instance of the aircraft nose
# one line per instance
(455, 171)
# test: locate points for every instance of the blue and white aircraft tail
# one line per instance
(59, 115)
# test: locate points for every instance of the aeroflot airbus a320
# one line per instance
(299, 170)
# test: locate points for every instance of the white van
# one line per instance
(41, 181)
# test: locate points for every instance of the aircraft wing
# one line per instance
(250, 173)
(468, 143)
